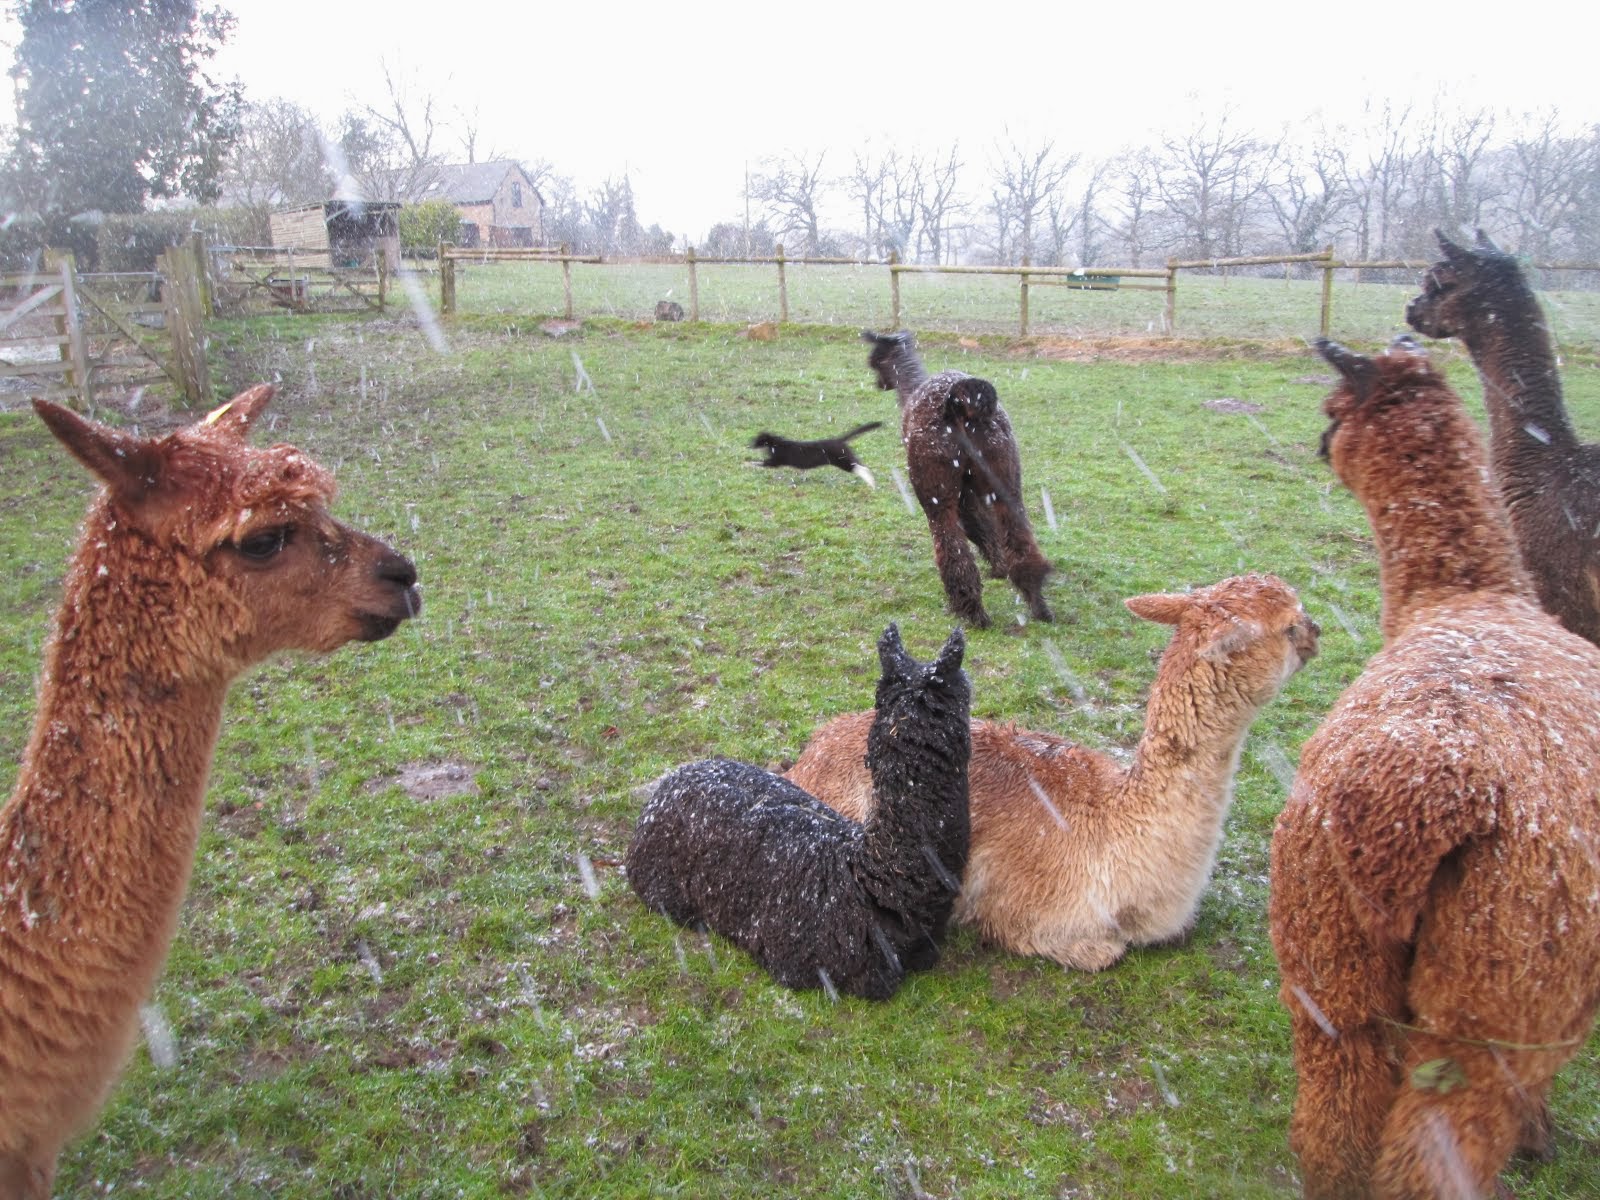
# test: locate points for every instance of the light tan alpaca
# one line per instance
(1075, 857)
(200, 557)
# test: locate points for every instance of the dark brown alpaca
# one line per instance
(1550, 481)
(1435, 905)
(200, 557)
(823, 452)
(967, 474)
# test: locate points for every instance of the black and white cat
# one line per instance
(824, 452)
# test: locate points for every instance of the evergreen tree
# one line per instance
(114, 106)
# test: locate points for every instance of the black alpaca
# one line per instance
(1549, 480)
(967, 474)
(824, 452)
(816, 898)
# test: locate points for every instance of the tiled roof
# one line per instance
(468, 183)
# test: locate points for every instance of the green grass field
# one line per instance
(1207, 306)
(383, 991)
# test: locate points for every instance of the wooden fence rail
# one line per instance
(1164, 278)
(450, 255)
(68, 334)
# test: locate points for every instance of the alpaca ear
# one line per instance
(1485, 244)
(1164, 608)
(1358, 370)
(949, 659)
(1405, 343)
(1453, 252)
(891, 650)
(130, 466)
(240, 413)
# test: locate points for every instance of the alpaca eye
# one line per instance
(263, 546)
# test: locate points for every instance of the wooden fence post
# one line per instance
(69, 326)
(1024, 324)
(382, 264)
(894, 290)
(1327, 290)
(447, 279)
(1170, 313)
(186, 323)
(566, 278)
(202, 272)
(694, 285)
(783, 290)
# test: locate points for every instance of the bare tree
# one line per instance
(792, 189)
(864, 184)
(1457, 189)
(1305, 192)
(277, 160)
(1132, 183)
(395, 139)
(1208, 180)
(937, 200)
(1544, 194)
(1025, 180)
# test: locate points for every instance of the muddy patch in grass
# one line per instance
(428, 781)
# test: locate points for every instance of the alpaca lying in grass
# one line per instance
(1073, 856)
(824, 452)
(967, 474)
(1436, 871)
(1549, 481)
(200, 557)
(818, 900)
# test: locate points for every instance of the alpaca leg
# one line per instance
(1346, 1085)
(26, 1178)
(1458, 1116)
(957, 569)
(1025, 566)
(978, 524)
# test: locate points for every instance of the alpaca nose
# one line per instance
(397, 569)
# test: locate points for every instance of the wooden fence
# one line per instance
(67, 335)
(245, 279)
(450, 255)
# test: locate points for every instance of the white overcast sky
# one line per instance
(681, 95)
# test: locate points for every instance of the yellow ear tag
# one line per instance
(217, 414)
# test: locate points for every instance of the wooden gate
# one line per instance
(42, 336)
(67, 335)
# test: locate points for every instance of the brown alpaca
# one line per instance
(1073, 856)
(1436, 871)
(200, 557)
(967, 473)
(1549, 480)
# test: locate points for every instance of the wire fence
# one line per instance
(1256, 298)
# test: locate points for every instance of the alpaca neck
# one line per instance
(103, 822)
(1528, 420)
(914, 806)
(906, 369)
(1181, 780)
(1436, 541)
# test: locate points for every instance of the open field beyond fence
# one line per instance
(1237, 306)
(393, 978)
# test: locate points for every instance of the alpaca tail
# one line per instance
(971, 399)
(860, 429)
(865, 474)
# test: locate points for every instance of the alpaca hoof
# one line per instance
(975, 619)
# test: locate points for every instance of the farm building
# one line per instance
(339, 233)
(498, 203)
